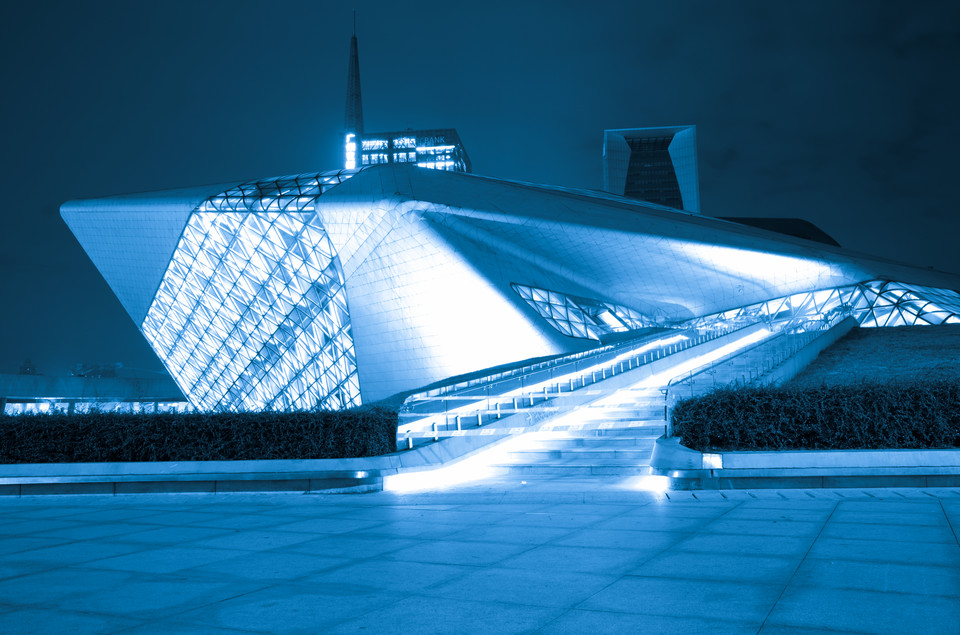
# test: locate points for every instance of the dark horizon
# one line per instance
(840, 115)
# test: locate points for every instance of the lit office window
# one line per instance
(374, 144)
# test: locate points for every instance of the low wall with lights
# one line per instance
(688, 469)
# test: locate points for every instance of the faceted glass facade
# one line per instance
(251, 313)
(581, 317)
(882, 303)
(874, 304)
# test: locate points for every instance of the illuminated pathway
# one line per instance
(651, 362)
(558, 555)
(612, 430)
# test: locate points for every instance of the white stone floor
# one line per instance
(508, 556)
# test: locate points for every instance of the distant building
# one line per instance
(438, 149)
(656, 165)
(23, 394)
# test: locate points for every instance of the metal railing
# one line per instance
(797, 342)
(451, 410)
(792, 343)
(546, 364)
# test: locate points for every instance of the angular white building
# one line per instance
(337, 288)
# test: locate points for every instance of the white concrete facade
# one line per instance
(343, 287)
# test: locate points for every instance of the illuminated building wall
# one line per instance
(435, 149)
(657, 165)
(335, 288)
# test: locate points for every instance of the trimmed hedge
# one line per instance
(107, 437)
(866, 416)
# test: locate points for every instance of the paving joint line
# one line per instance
(685, 535)
(802, 560)
(949, 523)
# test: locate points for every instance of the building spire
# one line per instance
(354, 119)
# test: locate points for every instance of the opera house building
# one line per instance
(338, 288)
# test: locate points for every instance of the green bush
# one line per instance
(864, 416)
(107, 437)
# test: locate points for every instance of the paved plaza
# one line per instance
(509, 556)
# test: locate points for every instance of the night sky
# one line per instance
(843, 113)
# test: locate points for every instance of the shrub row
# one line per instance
(864, 416)
(105, 437)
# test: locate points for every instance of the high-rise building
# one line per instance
(657, 165)
(438, 149)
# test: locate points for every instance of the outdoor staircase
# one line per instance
(615, 435)
(613, 439)
(596, 413)
(607, 452)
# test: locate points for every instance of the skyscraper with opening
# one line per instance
(656, 165)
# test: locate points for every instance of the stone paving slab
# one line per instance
(549, 555)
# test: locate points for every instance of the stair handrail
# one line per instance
(417, 399)
(806, 338)
(555, 362)
(430, 421)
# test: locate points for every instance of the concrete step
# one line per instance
(576, 453)
(642, 437)
(640, 432)
(631, 411)
(601, 416)
(620, 443)
(573, 469)
(581, 454)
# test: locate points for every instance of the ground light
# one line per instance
(476, 467)
(646, 483)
